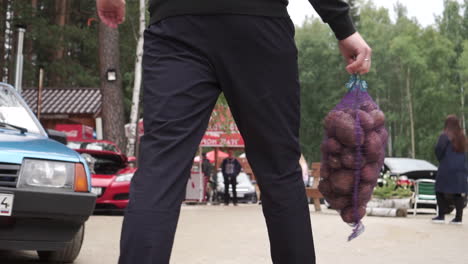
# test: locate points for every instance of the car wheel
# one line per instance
(67, 254)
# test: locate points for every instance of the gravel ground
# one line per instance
(233, 235)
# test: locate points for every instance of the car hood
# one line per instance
(407, 165)
(14, 147)
(117, 157)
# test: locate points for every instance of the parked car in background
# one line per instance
(110, 172)
(245, 189)
(45, 190)
(406, 170)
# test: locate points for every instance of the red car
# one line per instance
(111, 172)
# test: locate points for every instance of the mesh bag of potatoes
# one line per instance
(353, 151)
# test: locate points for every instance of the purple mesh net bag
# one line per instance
(353, 151)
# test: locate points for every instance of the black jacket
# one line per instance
(207, 168)
(333, 12)
(236, 169)
(452, 174)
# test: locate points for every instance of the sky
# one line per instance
(424, 13)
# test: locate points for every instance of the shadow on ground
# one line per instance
(18, 257)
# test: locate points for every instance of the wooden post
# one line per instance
(313, 192)
(201, 179)
(216, 160)
(39, 92)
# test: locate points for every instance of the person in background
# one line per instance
(207, 170)
(452, 174)
(305, 170)
(230, 167)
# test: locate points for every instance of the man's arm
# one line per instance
(223, 167)
(238, 167)
(111, 12)
(336, 14)
(352, 46)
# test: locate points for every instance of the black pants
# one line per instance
(230, 180)
(445, 199)
(188, 61)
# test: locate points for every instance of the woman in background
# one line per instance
(451, 177)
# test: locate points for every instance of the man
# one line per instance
(207, 170)
(194, 50)
(230, 167)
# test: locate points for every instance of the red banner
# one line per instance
(76, 132)
(221, 139)
(222, 130)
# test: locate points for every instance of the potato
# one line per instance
(342, 182)
(324, 171)
(370, 173)
(378, 117)
(333, 146)
(350, 112)
(347, 214)
(383, 133)
(348, 159)
(372, 147)
(331, 120)
(339, 202)
(368, 106)
(323, 150)
(365, 120)
(381, 159)
(365, 193)
(325, 188)
(334, 162)
(347, 133)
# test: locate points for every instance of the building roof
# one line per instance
(65, 101)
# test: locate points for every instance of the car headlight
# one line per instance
(45, 173)
(124, 177)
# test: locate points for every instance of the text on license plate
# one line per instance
(6, 204)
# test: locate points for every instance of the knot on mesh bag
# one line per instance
(353, 151)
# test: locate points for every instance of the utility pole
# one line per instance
(137, 83)
(19, 60)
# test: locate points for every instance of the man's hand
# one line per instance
(111, 12)
(357, 54)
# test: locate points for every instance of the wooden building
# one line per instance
(66, 106)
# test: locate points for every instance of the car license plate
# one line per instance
(96, 190)
(239, 195)
(6, 204)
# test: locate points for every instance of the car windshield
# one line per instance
(102, 146)
(13, 111)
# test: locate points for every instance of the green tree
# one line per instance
(320, 66)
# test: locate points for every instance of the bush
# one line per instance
(390, 189)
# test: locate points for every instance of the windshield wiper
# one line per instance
(21, 129)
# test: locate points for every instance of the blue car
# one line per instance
(45, 190)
